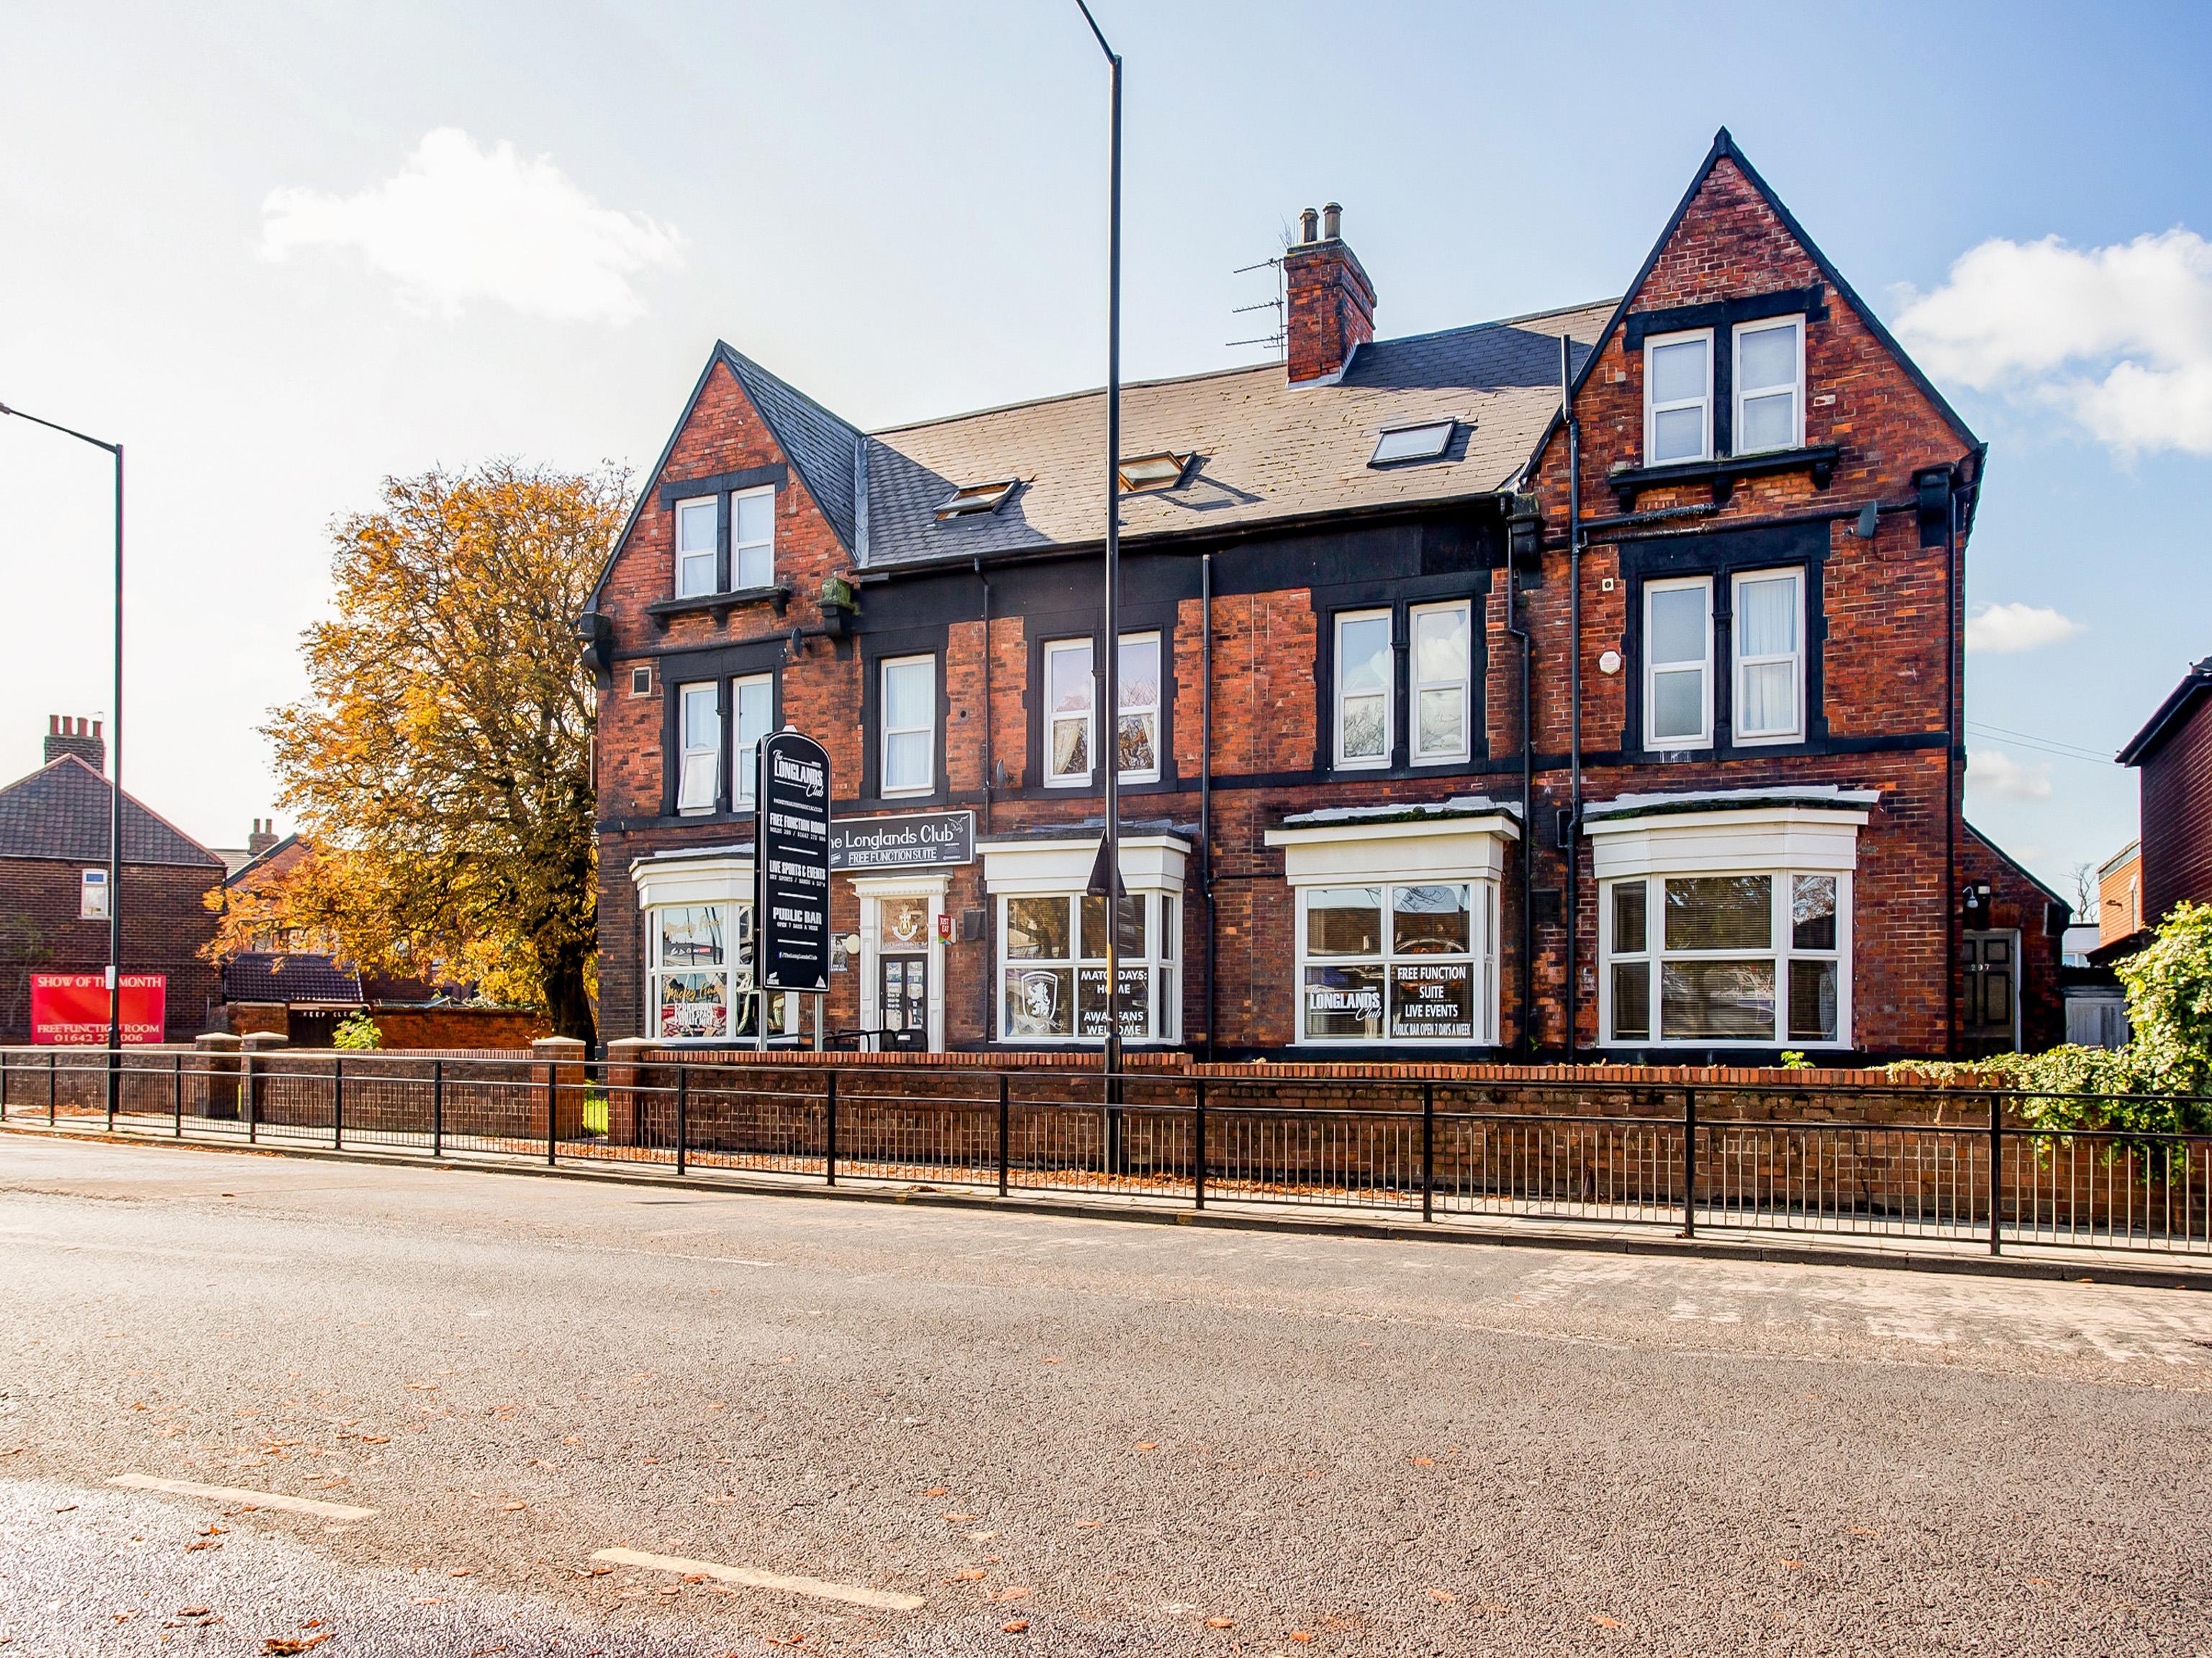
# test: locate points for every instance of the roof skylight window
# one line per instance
(1404, 443)
(1161, 471)
(970, 498)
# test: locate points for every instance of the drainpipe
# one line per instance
(1205, 778)
(1951, 599)
(1527, 825)
(1574, 686)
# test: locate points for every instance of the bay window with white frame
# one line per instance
(1071, 697)
(699, 974)
(906, 711)
(1678, 397)
(1769, 384)
(1410, 961)
(699, 741)
(1364, 689)
(1678, 663)
(1758, 959)
(1052, 962)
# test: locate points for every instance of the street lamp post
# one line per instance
(1109, 725)
(114, 776)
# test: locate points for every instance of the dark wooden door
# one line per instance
(1989, 1001)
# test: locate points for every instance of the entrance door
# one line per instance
(1989, 1004)
(902, 998)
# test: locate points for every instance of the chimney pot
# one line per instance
(68, 734)
(1331, 311)
(1307, 221)
(1332, 222)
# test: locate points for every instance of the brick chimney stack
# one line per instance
(1332, 303)
(264, 836)
(68, 736)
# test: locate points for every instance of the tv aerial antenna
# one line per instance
(1276, 340)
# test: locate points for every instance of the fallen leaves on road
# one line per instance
(958, 1519)
(1795, 1566)
(203, 1543)
(462, 1571)
(937, 1490)
(281, 1646)
(1221, 1622)
(125, 1617)
(375, 1439)
(1048, 1361)
(1300, 1635)
(1013, 1592)
(426, 1600)
(1604, 1622)
(1442, 1597)
(594, 1571)
(511, 1507)
(1147, 1445)
(1425, 1462)
(422, 1387)
(191, 1612)
(972, 1575)
(1018, 1626)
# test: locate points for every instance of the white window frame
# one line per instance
(1652, 668)
(1160, 963)
(739, 549)
(735, 970)
(686, 752)
(1781, 949)
(883, 785)
(1146, 711)
(1337, 624)
(742, 764)
(1055, 717)
(1739, 392)
(1464, 684)
(1479, 958)
(682, 557)
(1652, 408)
(1739, 733)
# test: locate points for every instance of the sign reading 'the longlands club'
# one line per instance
(791, 919)
(905, 841)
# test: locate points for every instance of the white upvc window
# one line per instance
(699, 721)
(1071, 695)
(695, 547)
(909, 723)
(1363, 688)
(1444, 656)
(1138, 733)
(1769, 608)
(752, 700)
(1678, 663)
(1052, 967)
(1678, 397)
(752, 538)
(1770, 386)
(1070, 698)
(1757, 959)
(700, 977)
(1398, 962)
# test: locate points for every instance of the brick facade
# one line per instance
(166, 925)
(1882, 688)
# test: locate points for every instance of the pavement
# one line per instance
(592, 1417)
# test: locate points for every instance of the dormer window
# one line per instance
(1401, 444)
(1678, 397)
(1142, 473)
(972, 498)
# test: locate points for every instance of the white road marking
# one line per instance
(882, 1599)
(147, 1482)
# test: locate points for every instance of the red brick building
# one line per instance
(1448, 726)
(53, 829)
(2172, 758)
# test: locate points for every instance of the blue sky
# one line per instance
(235, 244)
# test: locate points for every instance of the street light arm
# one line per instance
(68, 431)
(1112, 56)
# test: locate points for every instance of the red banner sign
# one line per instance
(70, 1009)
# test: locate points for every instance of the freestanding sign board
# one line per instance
(791, 864)
(69, 1010)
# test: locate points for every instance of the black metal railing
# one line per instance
(1883, 1163)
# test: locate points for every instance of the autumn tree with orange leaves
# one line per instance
(440, 762)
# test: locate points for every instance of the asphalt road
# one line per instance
(1123, 1438)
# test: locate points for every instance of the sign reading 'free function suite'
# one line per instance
(908, 841)
(793, 863)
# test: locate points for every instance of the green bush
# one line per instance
(358, 1031)
(2168, 1056)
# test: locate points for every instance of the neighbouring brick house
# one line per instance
(2172, 860)
(1724, 822)
(53, 829)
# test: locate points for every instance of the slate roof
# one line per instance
(60, 810)
(825, 449)
(260, 975)
(1266, 450)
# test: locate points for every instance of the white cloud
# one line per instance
(1994, 771)
(2119, 338)
(2003, 629)
(458, 223)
